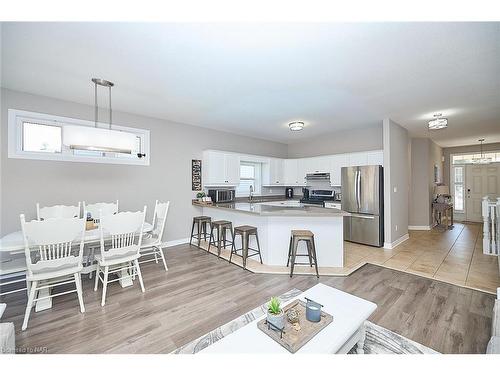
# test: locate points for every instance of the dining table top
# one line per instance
(14, 242)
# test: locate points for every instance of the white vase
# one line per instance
(276, 320)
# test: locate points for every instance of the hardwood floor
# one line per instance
(201, 292)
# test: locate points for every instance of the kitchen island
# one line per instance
(275, 220)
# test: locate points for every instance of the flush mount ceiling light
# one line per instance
(99, 139)
(438, 122)
(483, 159)
(296, 126)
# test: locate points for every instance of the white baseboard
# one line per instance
(419, 227)
(399, 241)
(176, 242)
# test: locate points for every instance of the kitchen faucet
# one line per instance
(250, 196)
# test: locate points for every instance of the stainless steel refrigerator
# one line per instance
(363, 197)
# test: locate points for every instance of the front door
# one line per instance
(480, 180)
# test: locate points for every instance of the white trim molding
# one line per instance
(419, 227)
(399, 241)
(175, 242)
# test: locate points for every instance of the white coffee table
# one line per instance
(347, 329)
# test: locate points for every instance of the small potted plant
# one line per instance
(200, 196)
(275, 314)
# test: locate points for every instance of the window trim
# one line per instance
(16, 118)
(257, 178)
(453, 184)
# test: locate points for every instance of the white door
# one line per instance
(480, 180)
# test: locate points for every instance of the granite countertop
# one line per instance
(264, 209)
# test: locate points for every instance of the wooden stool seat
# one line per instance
(200, 222)
(245, 231)
(302, 233)
(220, 226)
(308, 237)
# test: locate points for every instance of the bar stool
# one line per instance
(308, 237)
(201, 224)
(245, 231)
(221, 226)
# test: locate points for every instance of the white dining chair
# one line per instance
(98, 209)
(152, 242)
(123, 234)
(53, 250)
(57, 212)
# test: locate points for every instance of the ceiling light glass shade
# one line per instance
(438, 123)
(97, 139)
(296, 126)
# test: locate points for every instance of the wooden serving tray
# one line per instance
(291, 339)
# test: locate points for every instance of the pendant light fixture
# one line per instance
(438, 122)
(482, 159)
(99, 139)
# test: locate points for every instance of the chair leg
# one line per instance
(244, 245)
(192, 231)
(29, 305)
(131, 270)
(199, 233)
(91, 259)
(219, 243)
(163, 258)
(210, 238)
(289, 252)
(309, 252)
(28, 287)
(96, 284)
(294, 252)
(138, 270)
(78, 282)
(104, 285)
(314, 256)
(233, 246)
(258, 246)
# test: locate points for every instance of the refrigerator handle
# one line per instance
(358, 188)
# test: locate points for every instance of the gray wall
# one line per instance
(424, 155)
(463, 149)
(350, 140)
(396, 177)
(173, 145)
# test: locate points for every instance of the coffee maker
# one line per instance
(289, 192)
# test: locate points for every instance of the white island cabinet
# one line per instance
(275, 222)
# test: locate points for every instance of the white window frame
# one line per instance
(257, 186)
(453, 184)
(16, 118)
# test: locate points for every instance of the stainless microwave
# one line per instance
(221, 195)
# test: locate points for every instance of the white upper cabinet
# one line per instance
(220, 169)
(274, 172)
(336, 163)
(291, 173)
(320, 164)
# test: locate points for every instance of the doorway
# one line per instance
(480, 180)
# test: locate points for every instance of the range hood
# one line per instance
(318, 177)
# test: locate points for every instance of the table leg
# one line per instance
(45, 303)
(127, 278)
(361, 342)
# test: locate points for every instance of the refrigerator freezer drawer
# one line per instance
(364, 229)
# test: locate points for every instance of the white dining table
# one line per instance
(12, 244)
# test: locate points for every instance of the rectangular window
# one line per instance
(494, 157)
(458, 188)
(250, 175)
(39, 136)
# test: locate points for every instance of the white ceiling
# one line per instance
(255, 78)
